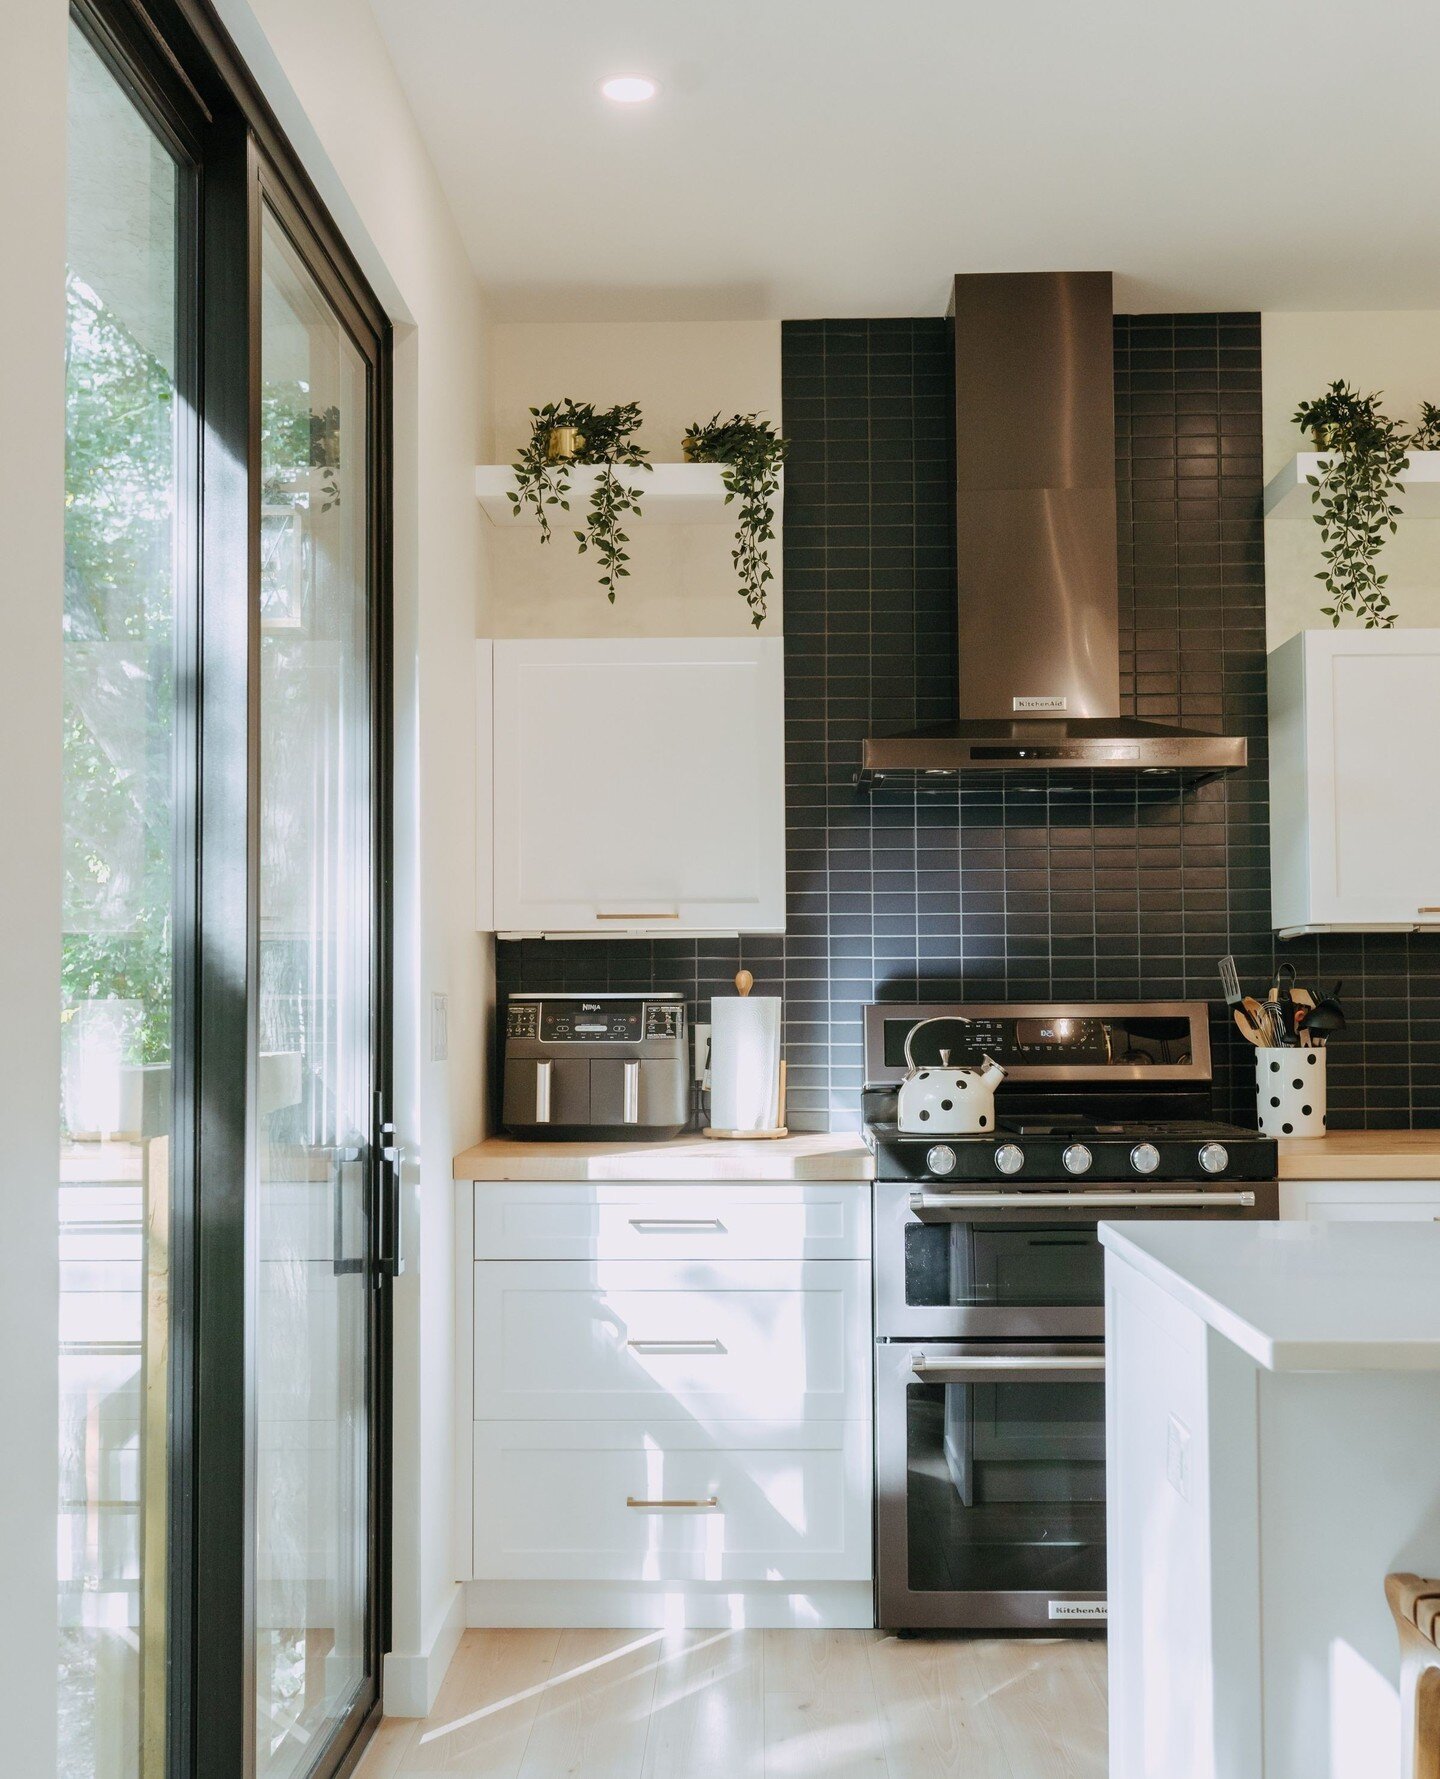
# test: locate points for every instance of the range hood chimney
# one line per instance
(1039, 669)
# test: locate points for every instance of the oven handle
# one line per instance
(1039, 1368)
(952, 1207)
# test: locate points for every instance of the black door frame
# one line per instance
(185, 74)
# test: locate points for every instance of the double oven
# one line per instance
(989, 1293)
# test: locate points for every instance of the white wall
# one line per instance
(1397, 351)
(32, 459)
(681, 580)
(326, 72)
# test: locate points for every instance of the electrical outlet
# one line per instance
(439, 1028)
(702, 1053)
(1177, 1457)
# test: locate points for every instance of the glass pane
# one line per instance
(1006, 1486)
(314, 1067)
(121, 568)
(1020, 1265)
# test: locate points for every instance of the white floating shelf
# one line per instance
(669, 493)
(1287, 495)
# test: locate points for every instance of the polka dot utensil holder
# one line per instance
(1290, 1087)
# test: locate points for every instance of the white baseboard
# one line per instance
(411, 1678)
(826, 1605)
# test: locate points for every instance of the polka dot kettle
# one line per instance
(944, 1100)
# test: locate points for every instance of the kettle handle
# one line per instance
(935, 1019)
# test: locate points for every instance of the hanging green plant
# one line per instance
(566, 433)
(1365, 457)
(1426, 436)
(751, 451)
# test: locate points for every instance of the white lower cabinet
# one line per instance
(1361, 1201)
(601, 1220)
(672, 1501)
(702, 1417)
(664, 1340)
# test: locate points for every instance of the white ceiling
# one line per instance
(844, 157)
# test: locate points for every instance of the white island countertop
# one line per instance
(1301, 1296)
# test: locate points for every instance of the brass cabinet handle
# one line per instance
(705, 1501)
(1427, 910)
(652, 914)
(677, 1346)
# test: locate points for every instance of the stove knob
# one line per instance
(1077, 1159)
(1009, 1158)
(1214, 1158)
(940, 1159)
(1144, 1158)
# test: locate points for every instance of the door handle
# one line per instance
(951, 1207)
(340, 1157)
(1037, 1368)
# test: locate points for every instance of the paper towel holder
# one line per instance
(744, 982)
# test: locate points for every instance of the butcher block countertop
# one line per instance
(821, 1157)
(1362, 1155)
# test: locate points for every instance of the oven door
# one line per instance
(990, 1485)
(1017, 1263)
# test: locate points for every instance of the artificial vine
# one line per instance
(1426, 436)
(751, 451)
(566, 433)
(1365, 457)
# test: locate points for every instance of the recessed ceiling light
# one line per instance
(629, 89)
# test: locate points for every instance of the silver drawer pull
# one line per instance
(1037, 1368)
(677, 1346)
(701, 1501)
(649, 1223)
(951, 1206)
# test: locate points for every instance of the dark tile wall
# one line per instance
(1004, 893)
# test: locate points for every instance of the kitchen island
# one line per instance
(1273, 1449)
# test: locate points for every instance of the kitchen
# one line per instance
(839, 962)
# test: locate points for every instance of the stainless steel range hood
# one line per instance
(1039, 629)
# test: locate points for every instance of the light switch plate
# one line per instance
(439, 1028)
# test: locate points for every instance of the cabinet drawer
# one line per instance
(760, 1502)
(764, 1221)
(1361, 1201)
(663, 1340)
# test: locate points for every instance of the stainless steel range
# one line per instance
(989, 1289)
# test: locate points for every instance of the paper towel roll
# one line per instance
(745, 1062)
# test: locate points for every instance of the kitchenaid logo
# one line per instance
(1078, 1609)
(1029, 704)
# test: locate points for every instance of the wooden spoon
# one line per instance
(744, 982)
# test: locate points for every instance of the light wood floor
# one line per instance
(756, 1705)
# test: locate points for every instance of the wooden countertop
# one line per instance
(1362, 1155)
(836, 1156)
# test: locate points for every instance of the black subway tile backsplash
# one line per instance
(994, 892)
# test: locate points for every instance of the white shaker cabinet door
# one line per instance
(639, 786)
(1355, 780)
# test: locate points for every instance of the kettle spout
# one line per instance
(992, 1074)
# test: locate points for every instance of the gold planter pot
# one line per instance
(564, 444)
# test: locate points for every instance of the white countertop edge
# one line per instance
(1224, 1321)
(1348, 1354)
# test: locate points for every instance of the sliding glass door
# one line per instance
(225, 1202)
(315, 1065)
(129, 573)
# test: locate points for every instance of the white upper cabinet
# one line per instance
(1355, 781)
(639, 786)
